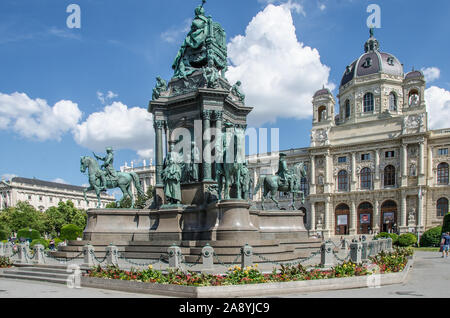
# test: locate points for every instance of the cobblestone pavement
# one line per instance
(430, 277)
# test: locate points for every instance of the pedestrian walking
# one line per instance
(445, 244)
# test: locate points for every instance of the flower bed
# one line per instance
(5, 262)
(382, 263)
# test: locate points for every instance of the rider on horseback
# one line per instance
(284, 173)
(108, 167)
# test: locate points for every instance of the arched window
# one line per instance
(347, 109)
(442, 173)
(442, 207)
(343, 180)
(413, 98)
(322, 113)
(392, 102)
(368, 102)
(389, 176)
(366, 179)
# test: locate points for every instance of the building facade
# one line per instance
(43, 194)
(373, 164)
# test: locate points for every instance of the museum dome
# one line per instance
(372, 62)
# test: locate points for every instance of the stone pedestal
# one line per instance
(235, 222)
(169, 224)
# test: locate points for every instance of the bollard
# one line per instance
(207, 257)
(112, 255)
(174, 256)
(88, 251)
(2, 249)
(389, 245)
(355, 252)
(327, 259)
(364, 251)
(8, 250)
(38, 254)
(372, 248)
(247, 255)
(22, 251)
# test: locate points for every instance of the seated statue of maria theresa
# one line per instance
(206, 41)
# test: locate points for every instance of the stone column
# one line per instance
(328, 172)
(403, 212)
(312, 175)
(218, 118)
(376, 183)
(422, 163)
(312, 219)
(354, 179)
(420, 208)
(430, 166)
(327, 223)
(206, 116)
(353, 218)
(158, 124)
(404, 161)
(376, 219)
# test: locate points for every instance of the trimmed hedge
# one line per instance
(431, 237)
(393, 236)
(39, 241)
(70, 232)
(4, 235)
(407, 239)
(27, 234)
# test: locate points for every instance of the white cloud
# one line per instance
(104, 98)
(279, 74)
(34, 118)
(322, 6)
(438, 105)
(431, 73)
(117, 126)
(59, 180)
(146, 153)
(291, 5)
(174, 34)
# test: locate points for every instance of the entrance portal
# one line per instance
(365, 213)
(342, 218)
(388, 216)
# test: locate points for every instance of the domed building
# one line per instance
(373, 164)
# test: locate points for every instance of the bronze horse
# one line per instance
(273, 184)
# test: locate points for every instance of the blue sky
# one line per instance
(55, 80)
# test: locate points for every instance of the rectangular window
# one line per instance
(443, 152)
(390, 154)
(29, 197)
(342, 159)
(365, 157)
(40, 199)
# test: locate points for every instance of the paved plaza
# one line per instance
(429, 278)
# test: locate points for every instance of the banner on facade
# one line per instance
(342, 220)
(364, 219)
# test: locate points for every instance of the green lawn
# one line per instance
(426, 249)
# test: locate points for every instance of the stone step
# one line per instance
(34, 273)
(34, 278)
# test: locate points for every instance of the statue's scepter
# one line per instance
(203, 3)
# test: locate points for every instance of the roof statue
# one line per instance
(205, 42)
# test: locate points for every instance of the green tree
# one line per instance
(64, 213)
(22, 216)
